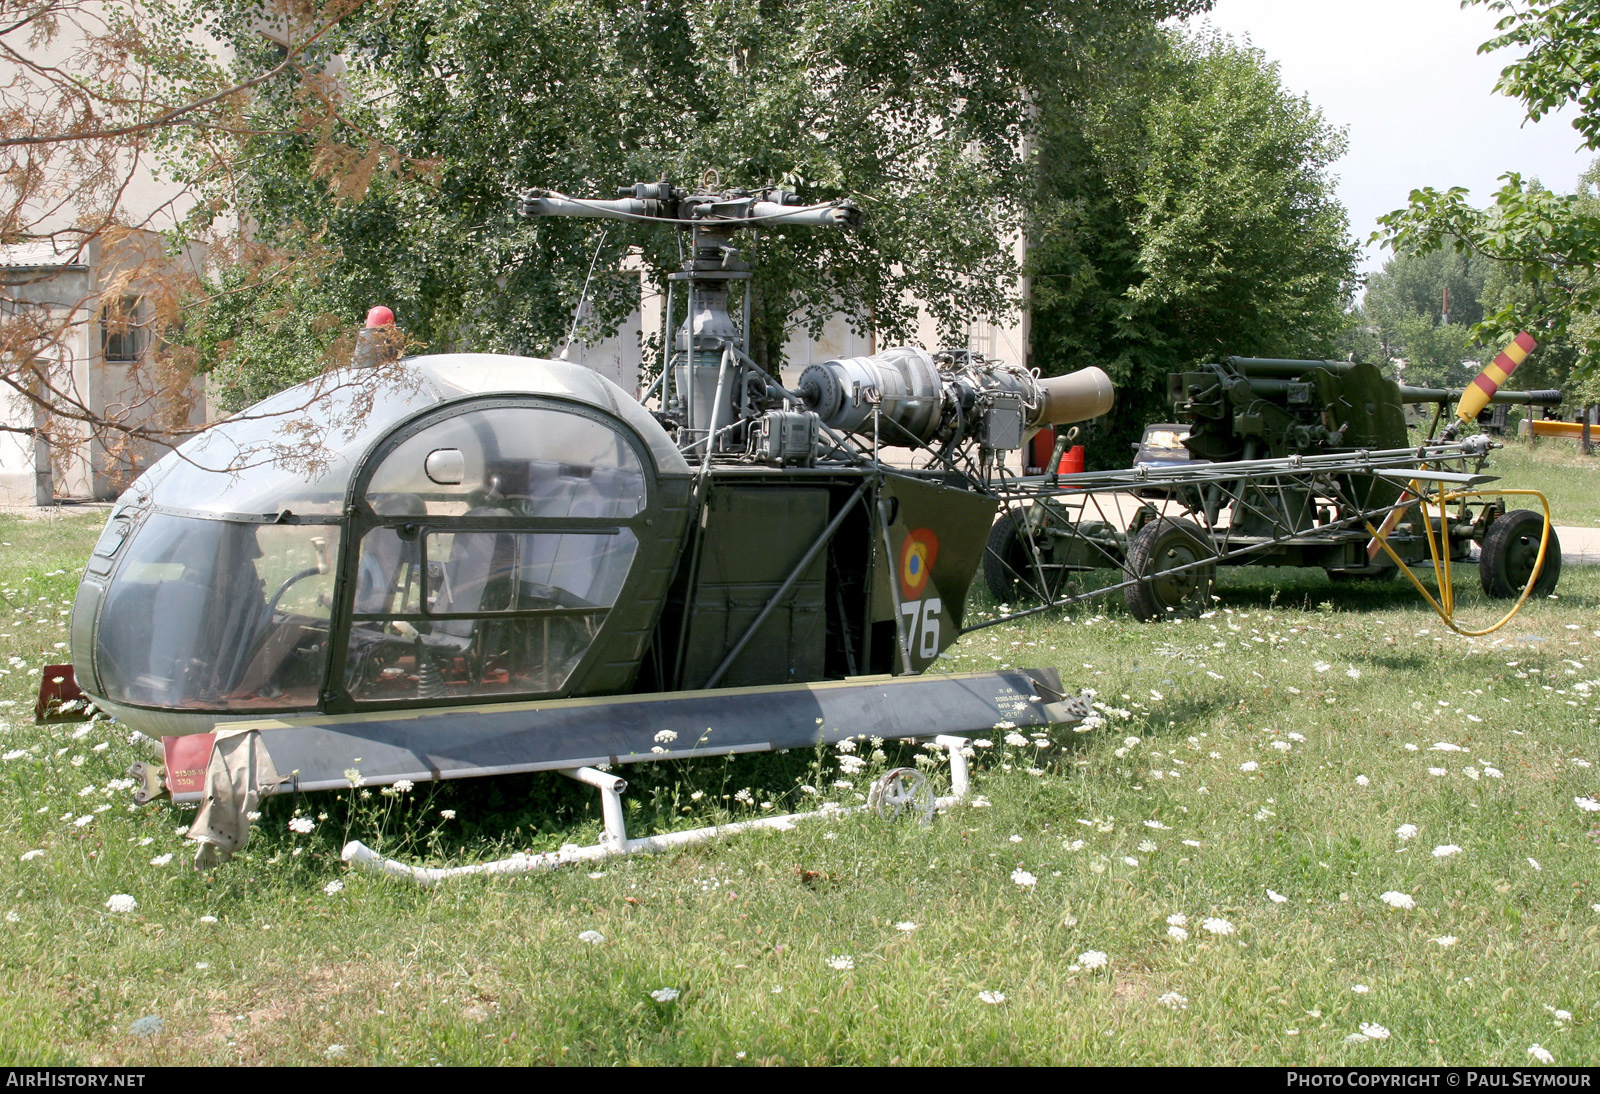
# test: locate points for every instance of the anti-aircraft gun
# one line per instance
(509, 564)
(1277, 462)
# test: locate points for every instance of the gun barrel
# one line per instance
(1282, 368)
(1450, 396)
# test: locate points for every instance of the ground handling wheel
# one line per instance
(1008, 567)
(1510, 548)
(1172, 561)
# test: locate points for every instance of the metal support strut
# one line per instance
(614, 839)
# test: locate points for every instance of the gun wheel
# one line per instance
(1173, 563)
(1008, 567)
(901, 793)
(1510, 548)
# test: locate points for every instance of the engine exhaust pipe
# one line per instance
(1075, 397)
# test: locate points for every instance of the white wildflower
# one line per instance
(28, 856)
(1402, 901)
(1178, 919)
(303, 825)
(1249, 765)
(1276, 898)
(1374, 1031)
(1445, 941)
(1023, 879)
(1360, 989)
(122, 902)
(592, 937)
(905, 925)
(1093, 959)
(333, 887)
(1218, 926)
(841, 962)
(1406, 831)
(1173, 1001)
(664, 995)
(1177, 933)
(1588, 805)
(1535, 864)
(1540, 1053)
(161, 860)
(1362, 780)
(993, 998)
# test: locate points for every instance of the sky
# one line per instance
(1417, 100)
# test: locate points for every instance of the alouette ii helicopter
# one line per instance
(508, 564)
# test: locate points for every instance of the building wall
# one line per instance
(82, 461)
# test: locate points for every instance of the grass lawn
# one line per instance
(1316, 827)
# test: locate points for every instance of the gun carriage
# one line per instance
(1272, 463)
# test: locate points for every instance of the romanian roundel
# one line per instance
(917, 555)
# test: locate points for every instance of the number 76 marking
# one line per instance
(922, 626)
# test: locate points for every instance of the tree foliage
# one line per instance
(118, 120)
(1546, 245)
(1405, 308)
(918, 109)
(1187, 214)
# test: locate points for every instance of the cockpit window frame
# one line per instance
(359, 519)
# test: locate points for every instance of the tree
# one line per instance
(1187, 214)
(117, 123)
(1405, 306)
(1546, 245)
(919, 109)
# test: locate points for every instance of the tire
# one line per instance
(1008, 564)
(1163, 545)
(1510, 547)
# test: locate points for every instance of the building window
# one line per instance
(122, 338)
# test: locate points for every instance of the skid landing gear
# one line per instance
(903, 792)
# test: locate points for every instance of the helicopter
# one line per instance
(501, 563)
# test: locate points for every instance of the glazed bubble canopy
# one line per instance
(298, 449)
(213, 588)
